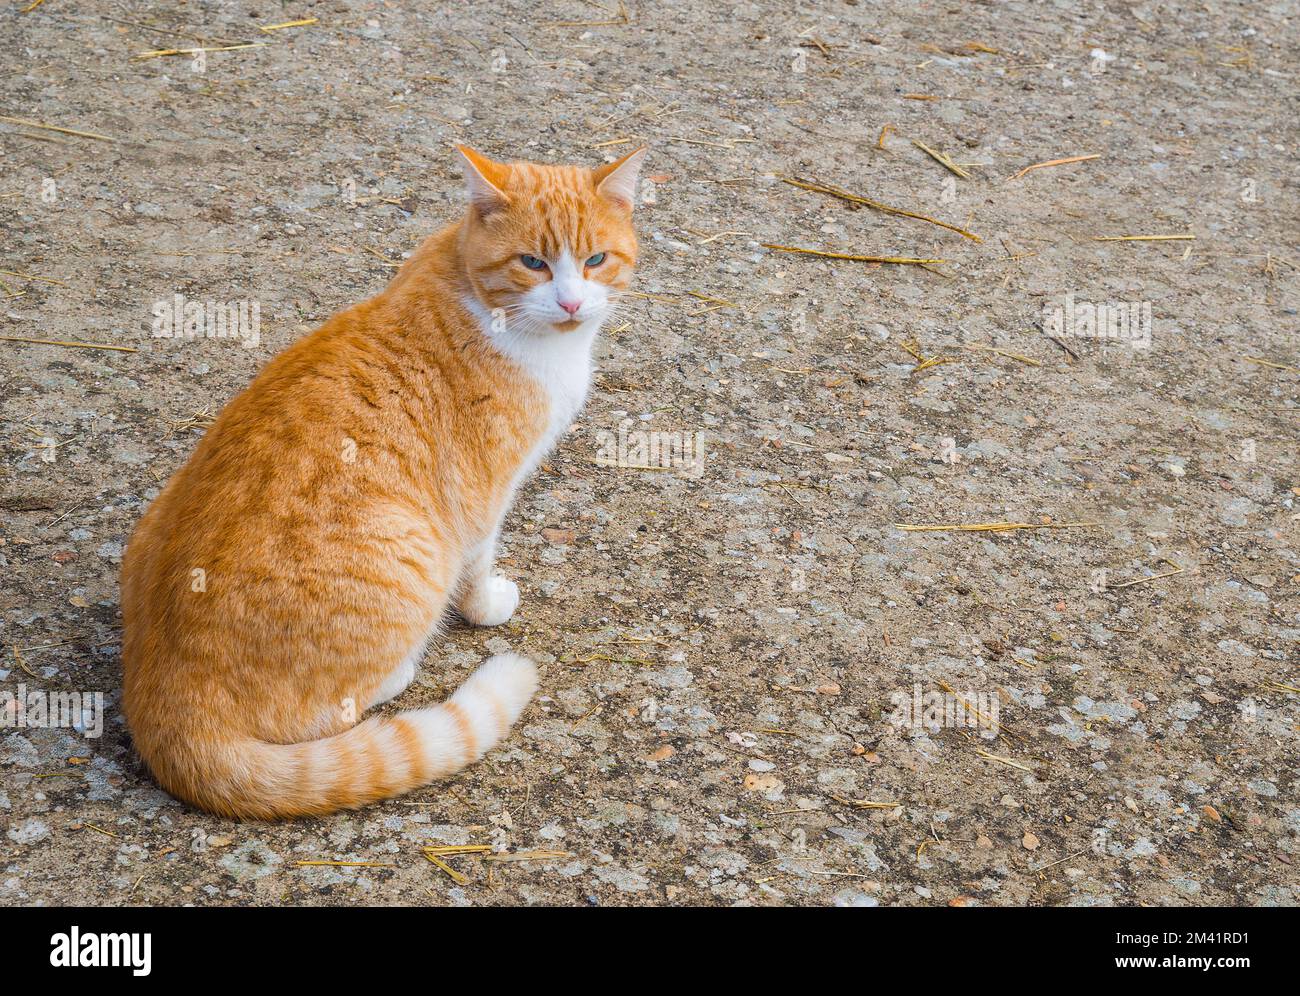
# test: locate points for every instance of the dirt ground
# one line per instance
(723, 654)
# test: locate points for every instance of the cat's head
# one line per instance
(550, 246)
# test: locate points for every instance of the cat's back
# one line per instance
(282, 454)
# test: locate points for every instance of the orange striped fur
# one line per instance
(289, 575)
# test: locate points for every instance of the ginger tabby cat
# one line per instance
(289, 576)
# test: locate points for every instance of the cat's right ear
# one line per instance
(485, 181)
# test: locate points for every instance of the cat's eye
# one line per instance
(596, 260)
(532, 262)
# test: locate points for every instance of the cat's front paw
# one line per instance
(491, 602)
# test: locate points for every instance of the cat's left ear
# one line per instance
(485, 180)
(617, 180)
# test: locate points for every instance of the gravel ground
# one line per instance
(729, 651)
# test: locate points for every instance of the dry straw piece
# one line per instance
(1001, 727)
(289, 24)
(993, 527)
(451, 872)
(1009, 762)
(1144, 238)
(1270, 363)
(1279, 686)
(1151, 577)
(942, 159)
(47, 127)
(160, 52)
(528, 856)
(71, 345)
(436, 852)
(852, 256)
(28, 276)
(866, 803)
(18, 659)
(1056, 162)
(1006, 353)
(824, 188)
(924, 362)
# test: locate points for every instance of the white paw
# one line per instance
(492, 602)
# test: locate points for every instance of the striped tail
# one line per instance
(378, 759)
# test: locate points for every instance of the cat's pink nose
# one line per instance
(570, 306)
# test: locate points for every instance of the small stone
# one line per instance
(29, 832)
(1029, 841)
(763, 783)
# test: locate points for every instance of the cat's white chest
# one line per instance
(560, 363)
